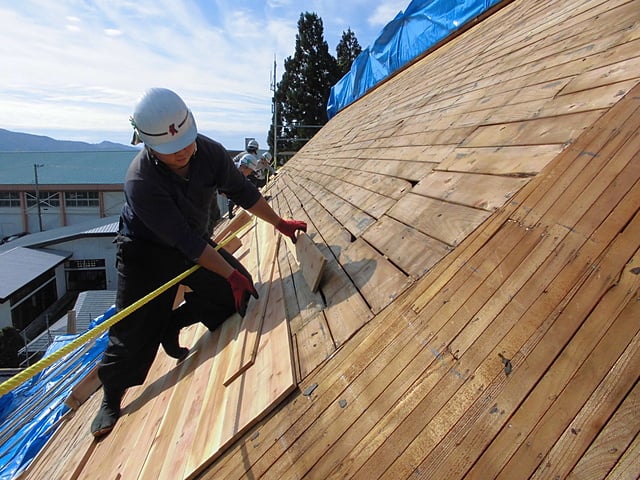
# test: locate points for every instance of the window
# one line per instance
(86, 274)
(81, 199)
(47, 199)
(9, 199)
(33, 299)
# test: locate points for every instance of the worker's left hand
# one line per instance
(290, 227)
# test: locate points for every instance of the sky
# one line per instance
(73, 69)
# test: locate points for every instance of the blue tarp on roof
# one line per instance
(30, 413)
(423, 24)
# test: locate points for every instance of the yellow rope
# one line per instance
(37, 367)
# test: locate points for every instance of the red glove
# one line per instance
(241, 287)
(290, 227)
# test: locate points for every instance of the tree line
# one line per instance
(301, 96)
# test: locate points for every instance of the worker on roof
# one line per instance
(264, 169)
(247, 163)
(165, 229)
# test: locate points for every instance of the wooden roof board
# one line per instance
(371, 448)
(499, 338)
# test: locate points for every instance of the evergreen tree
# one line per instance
(301, 96)
(347, 51)
(10, 344)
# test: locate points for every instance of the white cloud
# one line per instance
(78, 66)
(386, 12)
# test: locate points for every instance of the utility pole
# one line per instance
(35, 171)
(275, 114)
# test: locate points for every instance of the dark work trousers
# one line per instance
(134, 340)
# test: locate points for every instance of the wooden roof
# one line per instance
(478, 315)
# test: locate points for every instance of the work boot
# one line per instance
(171, 344)
(108, 414)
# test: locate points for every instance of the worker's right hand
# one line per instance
(242, 288)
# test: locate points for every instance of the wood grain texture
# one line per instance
(311, 260)
(479, 215)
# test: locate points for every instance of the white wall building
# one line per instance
(39, 269)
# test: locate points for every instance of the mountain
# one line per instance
(25, 142)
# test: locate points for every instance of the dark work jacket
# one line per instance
(166, 209)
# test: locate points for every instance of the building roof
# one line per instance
(25, 258)
(65, 168)
(89, 305)
(20, 265)
(479, 213)
(107, 226)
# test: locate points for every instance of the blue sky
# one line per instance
(73, 69)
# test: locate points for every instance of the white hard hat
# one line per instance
(267, 156)
(253, 144)
(249, 161)
(163, 121)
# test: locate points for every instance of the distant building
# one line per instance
(72, 188)
(42, 271)
(58, 217)
(41, 191)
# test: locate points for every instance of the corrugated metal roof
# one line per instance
(21, 265)
(64, 168)
(89, 305)
(98, 227)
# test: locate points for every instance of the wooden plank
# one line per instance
(348, 179)
(238, 221)
(582, 160)
(314, 344)
(409, 249)
(68, 449)
(301, 303)
(233, 245)
(539, 353)
(541, 131)
(444, 221)
(625, 69)
(143, 408)
(474, 426)
(86, 387)
(515, 160)
(608, 201)
(272, 377)
(628, 467)
(612, 441)
(208, 435)
(311, 260)
(576, 389)
(165, 452)
(593, 99)
(350, 216)
(498, 275)
(377, 279)
(601, 405)
(258, 389)
(429, 401)
(246, 343)
(488, 192)
(346, 311)
(196, 380)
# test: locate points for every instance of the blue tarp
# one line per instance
(423, 24)
(29, 414)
